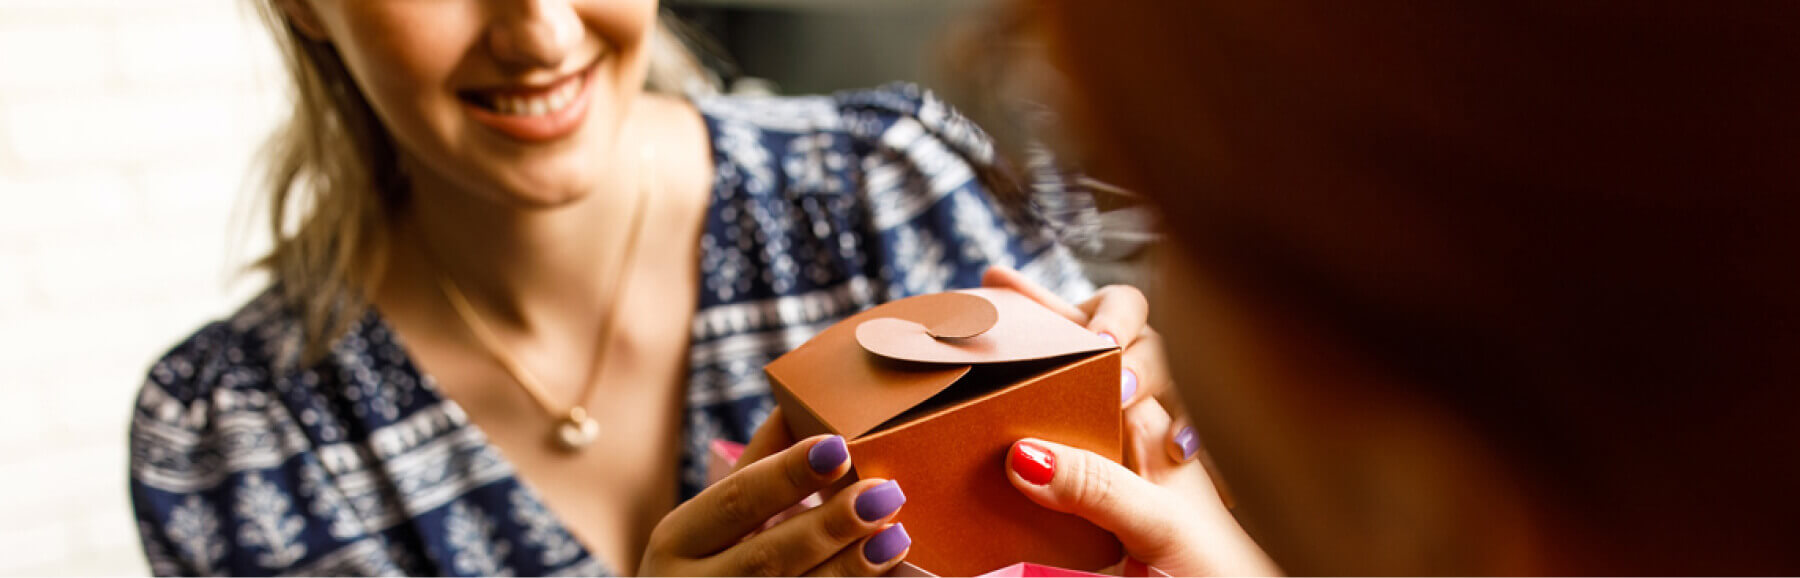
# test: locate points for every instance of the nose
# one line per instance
(535, 33)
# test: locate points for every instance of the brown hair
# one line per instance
(333, 179)
(1573, 224)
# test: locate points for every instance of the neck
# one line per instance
(524, 268)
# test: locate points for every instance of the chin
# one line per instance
(541, 193)
(554, 176)
(545, 176)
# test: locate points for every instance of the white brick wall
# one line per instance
(127, 129)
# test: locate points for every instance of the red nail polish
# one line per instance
(1033, 462)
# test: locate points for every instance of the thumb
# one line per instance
(1082, 483)
(1162, 527)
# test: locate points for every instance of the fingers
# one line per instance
(723, 514)
(1158, 445)
(1007, 278)
(820, 534)
(874, 557)
(1146, 438)
(770, 437)
(1145, 372)
(1117, 310)
(1183, 444)
(1082, 483)
(1174, 526)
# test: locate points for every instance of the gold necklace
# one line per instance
(575, 429)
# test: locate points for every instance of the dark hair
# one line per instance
(1574, 224)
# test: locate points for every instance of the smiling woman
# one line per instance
(410, 100)
(516, 294)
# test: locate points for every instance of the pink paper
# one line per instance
(1027, 569)
(1127, 568)
(721, 458)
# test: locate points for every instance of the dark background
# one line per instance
(795, 47)
(817, 46)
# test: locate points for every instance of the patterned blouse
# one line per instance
(243, 461)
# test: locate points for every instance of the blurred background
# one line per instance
(128, 135)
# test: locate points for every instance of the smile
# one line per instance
(537, 102)
(533, 113)
(533, 104)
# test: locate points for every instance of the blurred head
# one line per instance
(1473, 288)
(519, 102)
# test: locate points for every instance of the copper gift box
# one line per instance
(933, 390)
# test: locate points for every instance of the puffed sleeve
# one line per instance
(222, 481)
(179, 517)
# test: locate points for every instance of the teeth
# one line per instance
(557, 99)
(553, 101)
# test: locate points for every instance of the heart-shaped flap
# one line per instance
(850, 392)
(955, 315)
(976, 327)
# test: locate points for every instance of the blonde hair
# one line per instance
(333, 180)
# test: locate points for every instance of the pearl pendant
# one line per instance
(577, 431)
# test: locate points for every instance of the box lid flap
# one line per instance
(879, 363)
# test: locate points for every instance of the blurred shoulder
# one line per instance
(897, 113)
(215, 386)
(891, 184)
(238, 353)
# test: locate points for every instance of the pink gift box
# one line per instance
(1128, 568)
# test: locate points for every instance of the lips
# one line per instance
(538, 113)
(532, 103)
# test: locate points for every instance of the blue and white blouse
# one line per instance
(243, 461)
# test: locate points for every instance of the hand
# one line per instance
(726, 530)
(1120, 313)
(1166, 509)
(1170, 518)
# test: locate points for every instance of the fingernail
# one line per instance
(1189, 442)
(1109, 338)
(827, 455)
(1127, 385)
(880, 501)
(1033, 462)
(887, 544)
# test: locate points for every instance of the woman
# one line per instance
(1483, 288)
(488, 349)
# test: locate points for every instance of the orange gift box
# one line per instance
(932, 391)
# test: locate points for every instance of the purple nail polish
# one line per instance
(1189, 442)
(1127, 386)
(886, 545)
(880, 501)
(827, 455)
(1109, 338)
